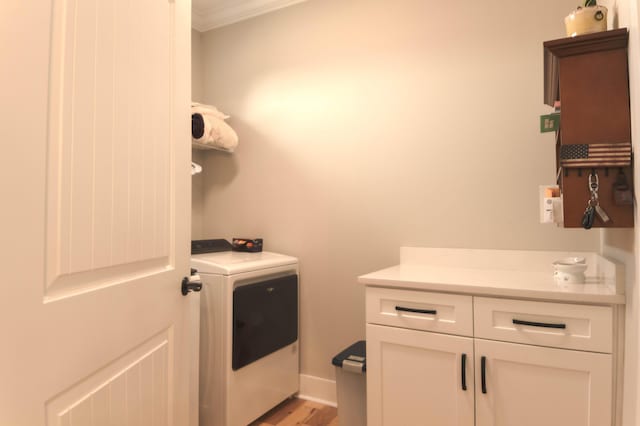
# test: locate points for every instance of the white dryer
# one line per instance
(249, 355)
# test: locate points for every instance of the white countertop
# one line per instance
(508, 273)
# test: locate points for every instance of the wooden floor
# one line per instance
(299, 412)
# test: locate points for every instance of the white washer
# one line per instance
(249, 360)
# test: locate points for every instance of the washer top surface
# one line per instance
(235, 262)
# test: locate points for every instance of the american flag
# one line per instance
(596, 155)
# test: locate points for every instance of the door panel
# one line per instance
(533, 386)
(130, 391)
(95, 177)
(414, 378)
(109, 143)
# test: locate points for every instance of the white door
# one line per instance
(533, 386)
(416, 378)
(94, 180)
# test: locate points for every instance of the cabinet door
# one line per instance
(416, 378)
(534, 386)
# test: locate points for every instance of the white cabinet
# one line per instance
(417, 378)
(533, 386)
(559, 325)
(521, 363)
(420, 310)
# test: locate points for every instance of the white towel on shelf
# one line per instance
(217, 133)
(208, 110)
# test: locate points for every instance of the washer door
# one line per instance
(265, 318)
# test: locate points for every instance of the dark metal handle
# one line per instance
(189, 286)
(538, 324)
(417, 311)
(483, 373)
(464, 372)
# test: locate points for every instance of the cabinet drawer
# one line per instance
(581, 327)
(419, 310)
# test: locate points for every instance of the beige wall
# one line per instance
(197, 67)
(197, 182)
(368, 124)
(197, 198)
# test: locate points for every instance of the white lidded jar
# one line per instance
(570, 270)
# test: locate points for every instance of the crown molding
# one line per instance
(230, 12)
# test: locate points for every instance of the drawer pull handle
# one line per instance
(483, 373)
(464, 372)
(539, 324)
(416, 311)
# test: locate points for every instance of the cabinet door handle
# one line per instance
(464, 371)
(417, 311)
(483, 373)
(538, 324)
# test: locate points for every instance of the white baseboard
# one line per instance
(317, 389)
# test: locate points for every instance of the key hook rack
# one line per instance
(592, 125)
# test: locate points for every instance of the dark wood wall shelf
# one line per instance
(588, 74)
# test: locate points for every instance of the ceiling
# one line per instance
(209, 14)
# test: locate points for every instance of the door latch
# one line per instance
(191, 283)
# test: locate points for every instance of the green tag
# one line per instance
(549, 122)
